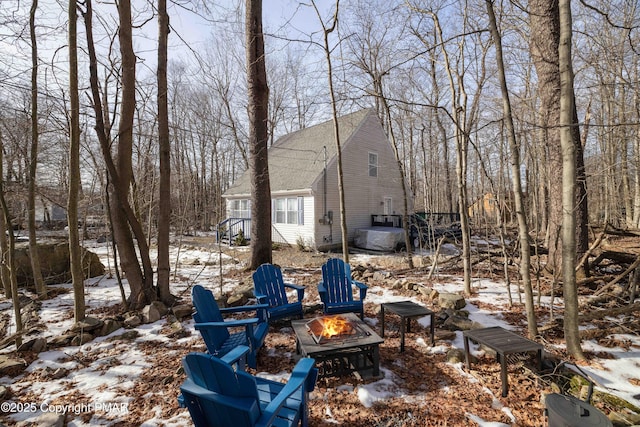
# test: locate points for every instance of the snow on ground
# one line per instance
(106, 369)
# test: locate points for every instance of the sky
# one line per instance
(191, 33)
(107, 369)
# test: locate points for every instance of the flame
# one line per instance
(335, 325)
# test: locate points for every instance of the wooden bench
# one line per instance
(503, 342)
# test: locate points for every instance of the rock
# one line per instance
(61, 340)
(133, 321)
(183, 310)
(625, 418)
(87, 324)
(110, 326)
(11, 367)
(58, 373)
(458, 323)
(454, 301)
(246, 290)
(25, 346)
(161, 307)
(49, 419)
(237, 300)
(367, 274)
(126, 336)
(381, 276)
(177, 330)
(35, 345)
(153, 312)
(423, 290)
(54, 262)
(4, 392)
(39, 345)
(434, 295)
(82, 338)
(455, 355)
(444, 335)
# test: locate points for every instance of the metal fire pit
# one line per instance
(353, 330)
(355, 351)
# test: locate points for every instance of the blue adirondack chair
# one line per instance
(218, 395)
(270, 288)
(215, 330)
(336, 289)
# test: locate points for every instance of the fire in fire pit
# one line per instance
(333, 328)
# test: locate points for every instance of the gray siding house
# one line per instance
(304, 182)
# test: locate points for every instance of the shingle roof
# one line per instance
(297, 159)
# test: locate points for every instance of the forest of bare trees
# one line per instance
(430, 68)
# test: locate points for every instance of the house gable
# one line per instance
(297, 165)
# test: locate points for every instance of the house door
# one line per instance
(388, 206)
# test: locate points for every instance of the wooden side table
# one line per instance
(503, 342)
(407, 310)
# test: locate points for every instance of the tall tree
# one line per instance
(124, 222)
(523, 229)
(258, 92)
(327, 30)
(8, 257)
(567, 123)
(545, 38)
(369, 45)
(33, 158)
(164, 202)
(75, 251)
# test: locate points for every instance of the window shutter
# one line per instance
(273, 211)
(300, 210)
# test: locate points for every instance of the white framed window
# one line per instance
(288, 210)
(240, 208)
(373, 164)
(280, 211)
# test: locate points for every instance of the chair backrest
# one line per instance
(234, 398)
(336, 275)
(207, 310)
(267, 280)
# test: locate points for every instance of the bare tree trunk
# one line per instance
(523, 229)
(33, 160)
(8, 258)
(567, 116)
(5, 274)
(258, 107)
(164, 202)
(545, 36)
(75, 250)
(336, 128)
(123, 219)
(405, 192)
(462, 142)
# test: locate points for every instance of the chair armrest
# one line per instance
(236, 356)
(227, 323)
(363, 289)
(322, 290)
(303, 375)
(244, 308)
(260, 309)
(298, 288)
(241, 403)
